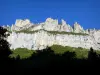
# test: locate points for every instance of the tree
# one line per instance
(4, 45)
(92, 56)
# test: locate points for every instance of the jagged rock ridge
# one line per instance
(42, 38)
(50, 25)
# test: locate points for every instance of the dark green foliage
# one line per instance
(4, 45)
(2, 33)
(22, 52)
(58, 49)
(80, 52)
(55, 57)
(49, 58)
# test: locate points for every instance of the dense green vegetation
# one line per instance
(24, 61)
(22, 52)
(80, 52)
(25, 53)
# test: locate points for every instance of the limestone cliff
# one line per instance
(41, 39)
(50, 25)
(38, 36)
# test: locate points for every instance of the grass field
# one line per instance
(25, 53)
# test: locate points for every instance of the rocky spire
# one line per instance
(78, 28)
(66, 27)
(49, 25)
(70, 28)
(63, 22)
(87, 31)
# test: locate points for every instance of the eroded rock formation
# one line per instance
(42, 38)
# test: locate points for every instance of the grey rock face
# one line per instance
(78, 28)
(21, 24)
(42, 39)
(49, 25)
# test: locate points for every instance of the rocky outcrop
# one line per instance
(78, 28)
(66, 27)
(49, 25)
(41, 39)
(21, 24)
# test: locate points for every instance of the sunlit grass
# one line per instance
(25, 53)
(22, 52)
(80, 52)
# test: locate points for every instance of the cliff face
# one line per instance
(42, 39)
